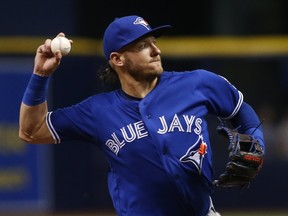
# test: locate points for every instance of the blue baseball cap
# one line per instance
(125, 30)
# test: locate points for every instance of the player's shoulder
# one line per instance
(196, 73)
(100, 99)
(188, 72)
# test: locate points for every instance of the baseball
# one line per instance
(62, 44)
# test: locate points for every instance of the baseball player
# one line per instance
(152, 130)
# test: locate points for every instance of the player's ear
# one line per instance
(117, 58)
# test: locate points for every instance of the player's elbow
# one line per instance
(28, 138)
(35, 138)
(25, 137)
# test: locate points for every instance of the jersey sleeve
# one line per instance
(223, 98)
(70, 123)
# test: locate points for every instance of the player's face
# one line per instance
(142, 59)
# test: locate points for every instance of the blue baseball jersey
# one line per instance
(158, 147)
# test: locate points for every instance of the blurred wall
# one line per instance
(78, 170)
(89, 18)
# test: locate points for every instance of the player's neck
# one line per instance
(138, 89)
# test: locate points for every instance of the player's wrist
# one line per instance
(257, 133)
(41, 74)
(36, 91)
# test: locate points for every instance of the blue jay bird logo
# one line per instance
(196, 153)
(141, 21)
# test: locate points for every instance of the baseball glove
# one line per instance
(246, 157)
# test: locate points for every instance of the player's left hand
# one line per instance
(246, 159)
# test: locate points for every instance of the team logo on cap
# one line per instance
(141, 21)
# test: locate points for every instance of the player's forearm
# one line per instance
(245, 119)
(33, 110)
(248, 122)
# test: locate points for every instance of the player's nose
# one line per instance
(155, 50)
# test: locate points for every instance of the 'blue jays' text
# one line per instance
(137, 130)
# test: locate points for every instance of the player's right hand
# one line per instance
(46, 62)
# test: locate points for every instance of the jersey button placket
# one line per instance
(148, 115)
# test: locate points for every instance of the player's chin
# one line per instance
(157, 68)
(157, 72)
(152, 74)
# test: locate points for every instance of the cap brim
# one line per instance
(156, 32)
